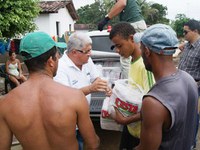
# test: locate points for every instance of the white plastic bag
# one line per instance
(106, 121)
(126, 97)
(128, 100)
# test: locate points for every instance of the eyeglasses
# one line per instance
(185, 32)
(84, 52)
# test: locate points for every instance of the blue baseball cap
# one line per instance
(161, 39)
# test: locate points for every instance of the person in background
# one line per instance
(76, 69)
(169, 109)
(41, 113)
(127, 43)
(128, 11)
(190, 57)
(14, 69)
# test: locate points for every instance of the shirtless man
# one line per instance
(41, 113)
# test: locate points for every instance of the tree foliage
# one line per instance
(94, 13)
(178, 24)
(154, 13)
(16, 16)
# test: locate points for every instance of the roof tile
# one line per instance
(54, 6)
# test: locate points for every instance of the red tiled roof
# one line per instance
(54, 6)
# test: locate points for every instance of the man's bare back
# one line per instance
(43, 114)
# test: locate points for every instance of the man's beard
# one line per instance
(147, 65)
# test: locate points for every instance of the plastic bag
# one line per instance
(106, 121)
(126, 97)
(128, 100)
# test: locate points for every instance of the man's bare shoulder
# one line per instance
(154, 111)
(64, 94)
(150, 103)
(40, 91)
(1, 99)
(4, 104)
(66, 90)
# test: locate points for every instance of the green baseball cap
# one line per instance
(36, 43)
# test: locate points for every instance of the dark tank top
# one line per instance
(178, 93)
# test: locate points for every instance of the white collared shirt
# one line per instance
(70, 75)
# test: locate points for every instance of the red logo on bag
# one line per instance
(126, 106)
(104, 113)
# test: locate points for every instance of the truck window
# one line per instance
(101, 43)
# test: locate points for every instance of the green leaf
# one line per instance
(17, 16)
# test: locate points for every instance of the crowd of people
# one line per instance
(50, 109)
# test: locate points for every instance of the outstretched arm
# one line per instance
(117, 8)
(119, 118)
(98, 85)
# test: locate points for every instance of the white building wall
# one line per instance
(47, 22)
(42, 22)
(64, 19)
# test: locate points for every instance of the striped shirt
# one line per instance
(190, 59)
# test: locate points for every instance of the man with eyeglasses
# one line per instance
(190, 58)
(76, 69)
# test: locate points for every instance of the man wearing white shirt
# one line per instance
(76, 69)
(70, 75)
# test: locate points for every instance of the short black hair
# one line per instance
(38, 63)
(193, 25)
(124, 29)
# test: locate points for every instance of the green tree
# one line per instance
(178, 24)
(153, 13)
(94, 13)
(88, 14)
(16, 17)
